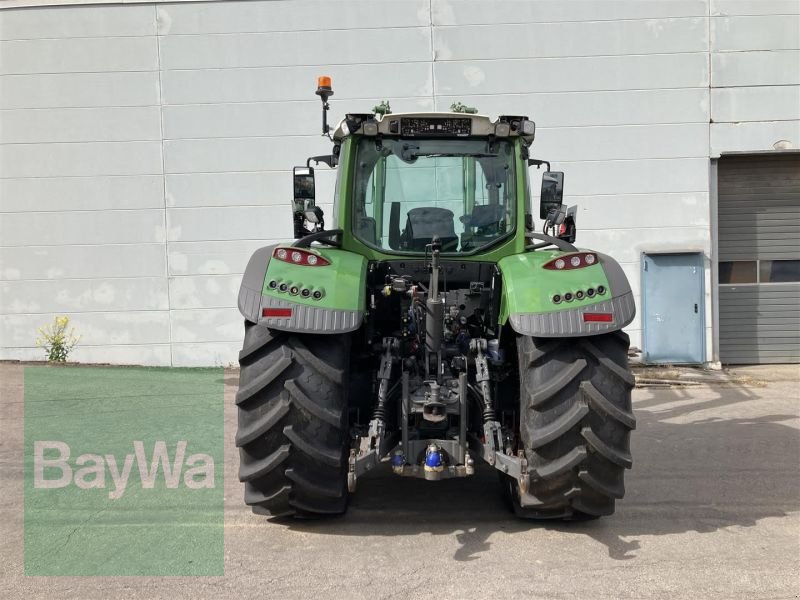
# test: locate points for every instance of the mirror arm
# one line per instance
(328, 159)
(320, 236)
(538, 163)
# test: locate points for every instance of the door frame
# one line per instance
(702, 258)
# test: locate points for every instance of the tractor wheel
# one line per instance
(575, 424)
(293, 424)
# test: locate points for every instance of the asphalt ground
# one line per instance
(712, 511)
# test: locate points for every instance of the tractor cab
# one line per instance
(409, 178)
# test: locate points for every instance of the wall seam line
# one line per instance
(163, 178)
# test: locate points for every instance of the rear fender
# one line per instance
(341, 285)
(529, 289)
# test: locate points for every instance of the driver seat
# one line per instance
(425, 223)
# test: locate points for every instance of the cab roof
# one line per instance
(435, 124)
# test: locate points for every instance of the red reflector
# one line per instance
(276, 312)
(598, 317)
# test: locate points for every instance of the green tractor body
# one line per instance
(433, 327)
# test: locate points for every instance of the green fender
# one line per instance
(334, 300)
(529, 291)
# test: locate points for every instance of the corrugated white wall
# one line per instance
(755, 63)
(146, 149)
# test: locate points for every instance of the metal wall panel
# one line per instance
(221, 155)
(295, 48)
(78, 55)
(298, 15)
(82, 227)
(588, 38)
(735, 69)
(764, 32)
(620, 142)
(79, 90)
(293, 83)
(228, 223)
(755, 7)
(747, 137)
(125, 354)
(72, 296)
(81, 261)
(467, 12)
(206, 326)
(203, 291)
(113, 328)
(80, 158)
(574, 109)
(636, 241)
(642, 176)
(212, 257)
(573, 74)
(109, 124)
(268, 119)
(81, 193)
(675, 209)
(254, 188)
(76, 22)
(766, 103)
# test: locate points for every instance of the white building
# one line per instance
(146, 148)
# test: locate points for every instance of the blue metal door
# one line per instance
(672, 308)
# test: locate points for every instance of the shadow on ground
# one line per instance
(689, 475)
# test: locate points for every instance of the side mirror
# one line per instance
(304, 191)
(552, 194)
(304, 187)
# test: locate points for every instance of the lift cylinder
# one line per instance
(434, 324)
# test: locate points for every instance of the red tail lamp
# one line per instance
(296, 256)
(577, 260)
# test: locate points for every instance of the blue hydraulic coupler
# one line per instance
(433, 459)
(398, 463)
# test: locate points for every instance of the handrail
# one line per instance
(548, 240)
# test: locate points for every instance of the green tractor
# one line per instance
(433, 327)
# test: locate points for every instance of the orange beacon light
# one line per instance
(324, 91)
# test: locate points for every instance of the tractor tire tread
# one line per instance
(292, 435)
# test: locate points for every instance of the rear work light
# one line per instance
(300, 257)
(577, 260)
(598, 318)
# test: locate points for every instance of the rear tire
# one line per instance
(293, 423)
(576, 419)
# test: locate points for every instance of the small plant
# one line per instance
(56, 340)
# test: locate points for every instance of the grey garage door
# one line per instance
(759, 259)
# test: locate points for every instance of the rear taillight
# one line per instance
(276, 312)
(598, 318)
(577, 260)
(300, 257)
